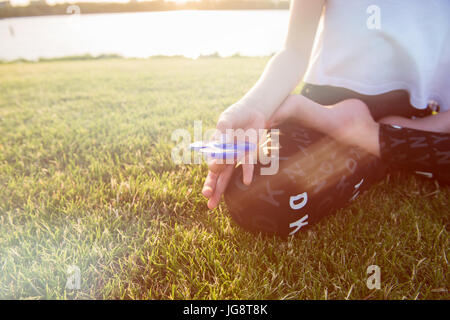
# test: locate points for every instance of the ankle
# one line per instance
(353, 124)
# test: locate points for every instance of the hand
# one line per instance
(237, 116)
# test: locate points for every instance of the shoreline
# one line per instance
(119, 57)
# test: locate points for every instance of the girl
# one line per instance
(374, 74)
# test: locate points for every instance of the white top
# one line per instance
(376, 46)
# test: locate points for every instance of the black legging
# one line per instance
(316, 174)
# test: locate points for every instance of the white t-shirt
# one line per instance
(376, 46)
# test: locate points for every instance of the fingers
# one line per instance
(223, 124)
(247, 168)
(216, 166)
(247, 173)
(217, 174)
(221, 186)
(210, 184)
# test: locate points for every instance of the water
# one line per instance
(187, 33)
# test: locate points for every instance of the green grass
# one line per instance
(86, 179)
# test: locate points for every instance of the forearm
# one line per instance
(287, 67)
(280, 77)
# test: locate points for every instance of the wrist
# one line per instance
(254, 105)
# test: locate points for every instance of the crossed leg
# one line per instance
(318, 175)
(419, 144)
(350, 121)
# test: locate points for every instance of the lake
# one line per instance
(144, 34)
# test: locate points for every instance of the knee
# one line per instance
(248, 208)
(266, 206)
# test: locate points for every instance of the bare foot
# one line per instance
(348, 121)
(351, 123)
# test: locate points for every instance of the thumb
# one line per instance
(223, 125)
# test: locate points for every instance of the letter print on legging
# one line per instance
(316, 176)
(421, 151)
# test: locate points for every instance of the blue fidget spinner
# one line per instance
(222, 150)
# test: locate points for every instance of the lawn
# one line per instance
(86, 179)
